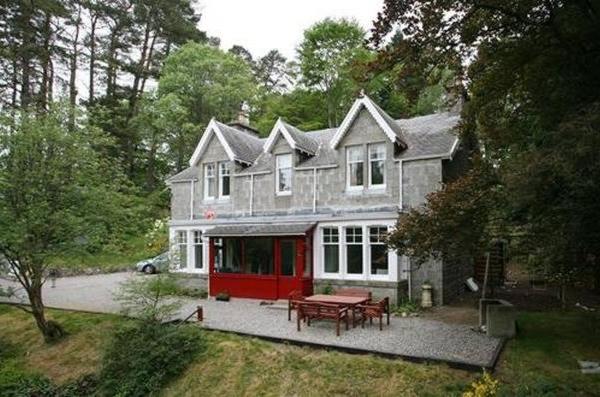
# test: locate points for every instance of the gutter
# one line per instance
(192, 200)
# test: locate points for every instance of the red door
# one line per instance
(290, 262)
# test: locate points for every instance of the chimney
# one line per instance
(243, 117)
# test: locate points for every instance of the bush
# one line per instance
(142, 357)
(327, 289)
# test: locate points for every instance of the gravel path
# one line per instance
(416, 338)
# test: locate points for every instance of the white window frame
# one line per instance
(224, 171)
(179, 242)
(370, 148)
(189, 231)
(396, 264)
(369, 245)
(329, 243)
(349, 162)
(196, 242)
(208, 179)
(346, 244)
(278, 168)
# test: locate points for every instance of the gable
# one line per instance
(364, 129)
(212, 130)
(392, 131)
(281, 145)
(214, 151)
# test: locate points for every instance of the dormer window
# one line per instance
(209, 181)
(224, 179)
(283, 174)
(355, 166)
(377, 165)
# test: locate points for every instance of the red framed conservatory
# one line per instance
(264, 261)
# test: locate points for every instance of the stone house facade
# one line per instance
(260, 217)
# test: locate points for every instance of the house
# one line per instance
(260, 217)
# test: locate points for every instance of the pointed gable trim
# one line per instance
(365, 102)
(212, 128)
(280, 127)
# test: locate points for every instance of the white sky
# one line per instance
(263, 25)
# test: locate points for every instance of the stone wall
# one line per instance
(419, 178)
(180, 200)
(431, 272)
(396, 291)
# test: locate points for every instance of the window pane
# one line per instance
(377, 172)
(377, 234)
(288, 258)
(354, 235)
(354, 259)
(356, 174)
(284, 161)
(198, 256)
(355, 153)
(330, 235)
(332, 258)
(307, 257)
(224, 179)
(379, 259)
(228, 255)
(258, 255)
(225, 186)
(377, 152)
(285, 180)
(183, 256)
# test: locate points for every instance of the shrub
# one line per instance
(192, 292)
(150, 299)
(327, 289)
(142, 357)
(485, 386)
(223, 296)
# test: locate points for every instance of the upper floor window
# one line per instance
(355, 166)
(284, 174)
(224, 179)
(209, 181)
(376, 165)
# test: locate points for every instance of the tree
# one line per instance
(273, 72)
(534, 84)
(208, 82)
(56, 193)
(326, 53)
(150, 299)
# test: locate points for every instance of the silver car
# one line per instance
(153, 265)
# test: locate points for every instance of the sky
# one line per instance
(262, 25)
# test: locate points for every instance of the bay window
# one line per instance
(354, 250)
(331, 252)
(283, 174)
(181, 245)
(198, 249)
(354, 166)
(209, 181)
(378, 251)
(224, 179)
(376, 165)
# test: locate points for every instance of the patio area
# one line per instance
(411, 338)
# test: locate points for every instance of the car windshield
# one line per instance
(162, 256)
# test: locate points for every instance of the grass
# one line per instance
(109, 259)
(541, 361)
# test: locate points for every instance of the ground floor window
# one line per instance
(354, 250)
(331, 251)
(378, 250)
(198, 249)
(244, 255)
(181, 242)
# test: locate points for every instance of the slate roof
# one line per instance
(430, 135)
(188, 174)
(279, 229)
(302, 140)
(246, 146)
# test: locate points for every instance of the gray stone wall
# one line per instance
(431, 272)
(180, 200)
(396, 291)
(419, 178)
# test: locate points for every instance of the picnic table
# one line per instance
(342, 300)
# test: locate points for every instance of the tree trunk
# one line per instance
(25, 53)
(111, 73)
(43, 97)
(139, 70)
(92, 57)
(146, 71)
(73, 64)
(51, 330)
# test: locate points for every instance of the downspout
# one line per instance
(192, 201)
(314, 190)
(251, 194)
(409, 270)
(401, 188)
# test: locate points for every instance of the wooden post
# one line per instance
(200, 313)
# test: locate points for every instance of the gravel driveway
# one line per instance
(416, 338)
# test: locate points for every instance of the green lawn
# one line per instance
(541, 361)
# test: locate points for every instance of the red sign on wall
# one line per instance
(210, 215)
